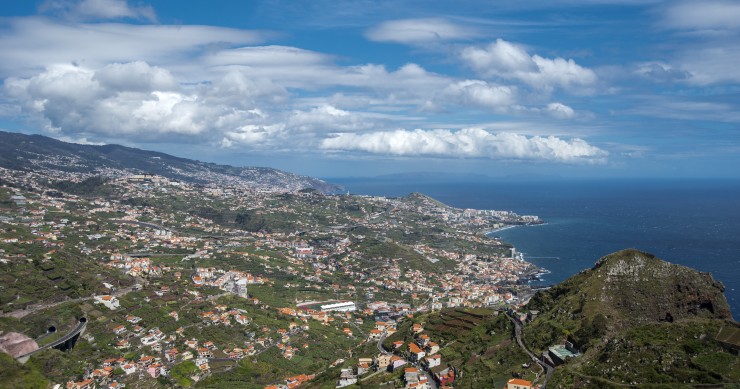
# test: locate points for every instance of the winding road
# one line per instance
(549, 369)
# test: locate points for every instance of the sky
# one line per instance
(552, 88)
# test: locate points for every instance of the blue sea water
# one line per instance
(694, 223)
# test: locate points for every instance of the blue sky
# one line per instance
(610, 88)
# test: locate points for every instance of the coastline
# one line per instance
(536, 273)
(488, 233)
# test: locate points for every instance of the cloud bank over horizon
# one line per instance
(468, 143)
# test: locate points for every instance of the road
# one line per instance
(79, 328)
(380, 343)
(518, 334)
(20, 313)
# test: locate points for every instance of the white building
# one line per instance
(342, 306)
(109, 301)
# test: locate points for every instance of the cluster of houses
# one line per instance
(292, 382)
(102, 377)
(223, 316)
(134, 267)
(420, 360)
(232, 281)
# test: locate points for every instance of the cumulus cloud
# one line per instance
(98, 9)
(80, 100)
(506, 60)
(417, 31)
(137, 82)
(135, 76)
(560, 111)
(482, 94)
(251, 134)
(470, 142)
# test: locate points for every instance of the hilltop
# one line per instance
(630, 288)
(638, 320)
(635, 319)
(43, 154)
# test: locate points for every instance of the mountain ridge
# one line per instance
(34, 152)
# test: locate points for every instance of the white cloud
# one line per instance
(419, 31)
(661, 72)
(470, 142)
(251, 134)
(135, 76)
(75, 99)
(560, 111)
(33, 43)
(681, 108)
(709, 50)
(506, 60)
(327, 118)
(711, 63)
(196, 84)
(98, 9)
(304, 69)
(703, 15)
(482, 94)
(266, 56)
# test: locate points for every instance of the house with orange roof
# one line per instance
(86, 384)
(432, 348)
(396, 362)
(432, 361)
(129, 368)
(415, 353)
(518, 383)
(116, 385)
(111, 302)
(362, 368)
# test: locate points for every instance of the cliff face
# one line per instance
(17, 344)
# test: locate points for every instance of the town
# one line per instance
(183, 283)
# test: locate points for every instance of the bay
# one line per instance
(695, 223)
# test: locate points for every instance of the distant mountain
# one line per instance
(38, 153)
(434, 177)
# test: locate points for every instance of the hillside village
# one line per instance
(184, 284)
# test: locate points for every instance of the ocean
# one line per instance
(695, 223)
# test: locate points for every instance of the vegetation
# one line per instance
(15, 375)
